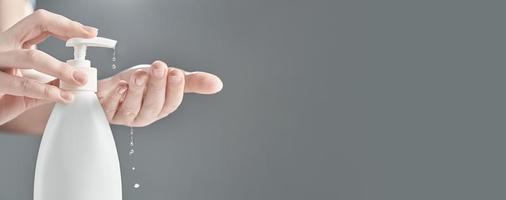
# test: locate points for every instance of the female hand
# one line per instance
(17, 93)
(143, 94)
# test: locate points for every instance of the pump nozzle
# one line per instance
(80, 45)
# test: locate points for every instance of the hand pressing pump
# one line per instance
(77, 157)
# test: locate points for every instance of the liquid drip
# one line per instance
(130, 154)
(114, 59)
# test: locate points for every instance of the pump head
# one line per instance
(80, 45)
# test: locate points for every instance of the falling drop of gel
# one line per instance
(114, 58)
(130, 153)
(131, 137)
(131, 141)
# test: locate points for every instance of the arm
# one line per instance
(11, 11)
(35, 119)
(137, 106)
(135, 97)
(25, 103)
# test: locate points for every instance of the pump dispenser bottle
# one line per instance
(77, 157)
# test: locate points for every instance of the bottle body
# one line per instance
(77, 156)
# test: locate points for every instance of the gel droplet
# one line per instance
(130, 153)
(114, 58)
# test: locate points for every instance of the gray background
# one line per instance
(323, 99)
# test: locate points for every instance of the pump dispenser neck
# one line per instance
(80, 46)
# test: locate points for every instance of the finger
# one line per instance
(155, 94)
(202, 83)
(33, 102)
(130, 107)
(42, 62)
(106, 86)
(174, 93)
(111, 102)
(18, 86)
(196, 82)
(38, 39)
(12, 106)
(42, 21)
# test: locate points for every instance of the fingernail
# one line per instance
(90, 29)
(66, 96)
(141, 79)
(175, 77)
(80, 77)
(158, 71)
(122, 89)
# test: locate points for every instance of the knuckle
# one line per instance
(30, 102)
(41, 12)
(41, 15)
(128, 113)
(46, 92)
(23, 84)
(50, 92)
(31, 55)
(140, 123)
(42, 18)
(160, 63)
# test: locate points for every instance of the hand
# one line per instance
(143, 94)
(17, 93)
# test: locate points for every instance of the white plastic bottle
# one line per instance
(77, 157)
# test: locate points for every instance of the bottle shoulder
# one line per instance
(84, 111)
